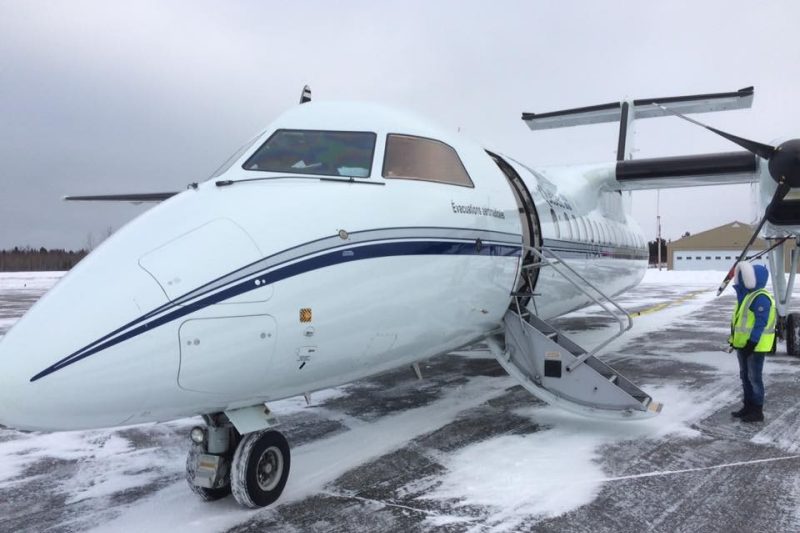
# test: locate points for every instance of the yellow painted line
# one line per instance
(659, 307)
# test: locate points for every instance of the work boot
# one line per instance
(743, 411)
(756, 414)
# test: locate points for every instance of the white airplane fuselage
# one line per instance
(230, 295)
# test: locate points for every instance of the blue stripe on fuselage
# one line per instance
(339, 256)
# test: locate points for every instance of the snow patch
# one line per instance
(314, 465)
(554, 471)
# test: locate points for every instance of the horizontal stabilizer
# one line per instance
(686, 171)
(136, 198)
(642, 108)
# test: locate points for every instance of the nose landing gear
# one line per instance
(260, 468)
(254, 467)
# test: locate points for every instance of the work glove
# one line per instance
(749, 348)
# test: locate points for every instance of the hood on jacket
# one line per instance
(762, 275)
(750, 276)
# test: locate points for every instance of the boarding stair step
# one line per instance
(538, 355)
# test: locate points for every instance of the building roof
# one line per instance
(731, 236)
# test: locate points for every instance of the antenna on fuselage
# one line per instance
(305, 96)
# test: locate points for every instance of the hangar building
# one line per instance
(714, 249)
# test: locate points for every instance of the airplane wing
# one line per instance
(136, 198)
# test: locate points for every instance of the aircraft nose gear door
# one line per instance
(531, 233)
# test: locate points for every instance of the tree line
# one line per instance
(39, 260)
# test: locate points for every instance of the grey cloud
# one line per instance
(101, 97)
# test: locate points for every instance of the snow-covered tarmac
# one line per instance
(465, 449)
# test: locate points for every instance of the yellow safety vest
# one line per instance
(744, 319)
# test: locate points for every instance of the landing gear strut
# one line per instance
(254, 467)
(208, 463)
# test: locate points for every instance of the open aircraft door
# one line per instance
(531, 231)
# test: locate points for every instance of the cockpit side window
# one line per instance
(325, 153)
(418, 158)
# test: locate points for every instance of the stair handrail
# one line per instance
(623, 327)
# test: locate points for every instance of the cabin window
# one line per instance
(576, 233)
(680, 257)
(584, 235)
(326, 153)
(555, 223)
(717, 258)
(418, 158)
(570, 230)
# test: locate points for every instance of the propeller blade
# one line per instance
(762, 150)
(780, 192)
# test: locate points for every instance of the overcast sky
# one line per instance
(106, 97)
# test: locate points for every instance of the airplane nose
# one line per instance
(87, 304)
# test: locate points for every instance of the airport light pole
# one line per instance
(658, 226)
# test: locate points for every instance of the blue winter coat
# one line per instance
(760, 306)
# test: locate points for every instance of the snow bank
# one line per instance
(29, 280)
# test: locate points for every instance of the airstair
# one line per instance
(554, 368)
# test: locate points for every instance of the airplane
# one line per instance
(344, 240)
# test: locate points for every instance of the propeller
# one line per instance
(784, 167)
(780, 192)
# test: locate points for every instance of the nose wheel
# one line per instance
(260, 468)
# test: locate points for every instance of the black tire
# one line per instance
(260, 468)
(208, 495)
(793, 334)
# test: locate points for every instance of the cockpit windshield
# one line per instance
(327, 153)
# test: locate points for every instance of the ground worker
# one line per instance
(752, 335)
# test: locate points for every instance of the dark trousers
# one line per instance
(750, 368)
